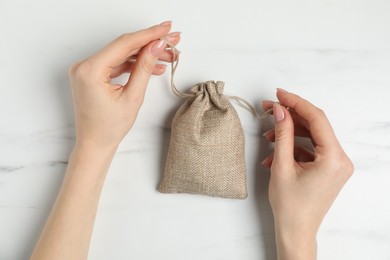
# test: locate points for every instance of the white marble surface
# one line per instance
(334, 53)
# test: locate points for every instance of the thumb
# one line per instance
(143, 68)
(284, 137)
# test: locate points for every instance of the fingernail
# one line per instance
(281, 90)
(166, 23)
(264, 161)
(157, 48)
(278, 112)
(267, 103)
(172, 35)
(268, 132)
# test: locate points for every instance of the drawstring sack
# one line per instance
(206, 152)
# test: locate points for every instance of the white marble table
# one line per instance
(334, 53)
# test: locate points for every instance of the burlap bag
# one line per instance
(206, 152)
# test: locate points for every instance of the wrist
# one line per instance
(93, 160)
(89, 147)
(300, 243)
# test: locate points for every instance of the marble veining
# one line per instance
(340, 64)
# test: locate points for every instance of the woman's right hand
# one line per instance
(303, 183)
(104, 111)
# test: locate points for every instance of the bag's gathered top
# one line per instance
(207, 148)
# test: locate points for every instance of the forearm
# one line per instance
(295, 245)
(69, 228)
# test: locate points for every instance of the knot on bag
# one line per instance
(212, 91)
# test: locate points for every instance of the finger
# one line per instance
(167, 55)
(284, 139)
(128, 66)
(143, 68)
(118, 51)
(124, 68)
(298, 120)
(267, 104)
(301, 154)
(298, 131)
(270, 135)
(267, 162)
(301, 131)
(300, 125)
(159, 69)
(317, 122)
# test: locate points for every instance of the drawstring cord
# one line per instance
(240, 101)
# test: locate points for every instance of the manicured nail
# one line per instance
(157, 48)
(166, 23)
(267, 103)
(281, 90)
(171, 36)
(268, 132)
(265, 161)
(161, 66)
(278, 112)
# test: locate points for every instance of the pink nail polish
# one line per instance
(278, 112)
(268, 132)
(160, 66)
(157, 48)
(172, 35)
(264, 161)
(166, 23)
(267, 102)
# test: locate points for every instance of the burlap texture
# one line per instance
(206, 153)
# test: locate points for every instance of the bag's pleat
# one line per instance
(207, 148)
